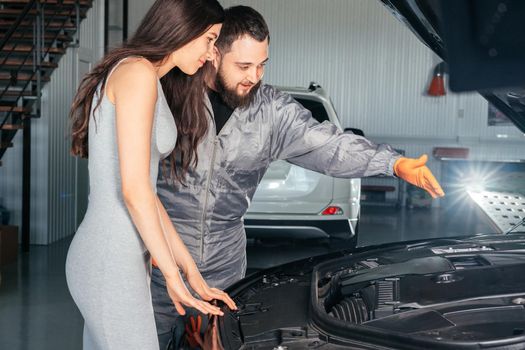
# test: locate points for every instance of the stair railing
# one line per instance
(15, 28)
(39, 50)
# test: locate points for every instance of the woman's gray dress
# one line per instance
(107, 267)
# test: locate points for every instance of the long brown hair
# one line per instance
(168, 25)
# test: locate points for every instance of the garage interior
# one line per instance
(377, 74)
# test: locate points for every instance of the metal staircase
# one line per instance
(34, 34)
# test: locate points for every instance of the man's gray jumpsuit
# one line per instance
(208, 210)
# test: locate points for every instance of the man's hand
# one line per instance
(415, 171)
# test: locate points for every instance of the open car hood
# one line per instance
(424, 18)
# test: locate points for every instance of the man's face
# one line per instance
(241, 70)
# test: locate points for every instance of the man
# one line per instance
(252, 125)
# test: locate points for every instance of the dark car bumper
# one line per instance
(300, 229)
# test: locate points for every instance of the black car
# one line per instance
(454, 293)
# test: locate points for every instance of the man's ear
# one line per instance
(216, 60)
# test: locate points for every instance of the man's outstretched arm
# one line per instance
(301, 140)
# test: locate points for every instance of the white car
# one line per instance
(298, 203)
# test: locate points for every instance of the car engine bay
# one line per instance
(442, 294)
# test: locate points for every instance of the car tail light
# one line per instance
(332, 211)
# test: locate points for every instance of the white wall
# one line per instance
(53, 176)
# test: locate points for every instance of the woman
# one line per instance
(120, 115)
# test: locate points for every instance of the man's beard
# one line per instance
(230, 96)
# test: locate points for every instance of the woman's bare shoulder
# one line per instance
(135, 73)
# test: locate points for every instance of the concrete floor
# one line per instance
(37, 312)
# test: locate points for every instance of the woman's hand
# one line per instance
(199, 285)
(180, 296)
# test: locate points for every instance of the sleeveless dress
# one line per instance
(107, 266)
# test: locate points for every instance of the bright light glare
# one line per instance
(476, 178)
(475, 182)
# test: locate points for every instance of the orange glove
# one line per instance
(415, 171)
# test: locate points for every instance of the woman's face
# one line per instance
(194, 54)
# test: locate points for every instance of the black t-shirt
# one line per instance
(221, 112)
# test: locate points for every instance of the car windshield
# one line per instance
(317, 108)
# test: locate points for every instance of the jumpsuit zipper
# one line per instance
(203, 220)
(208, 181)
